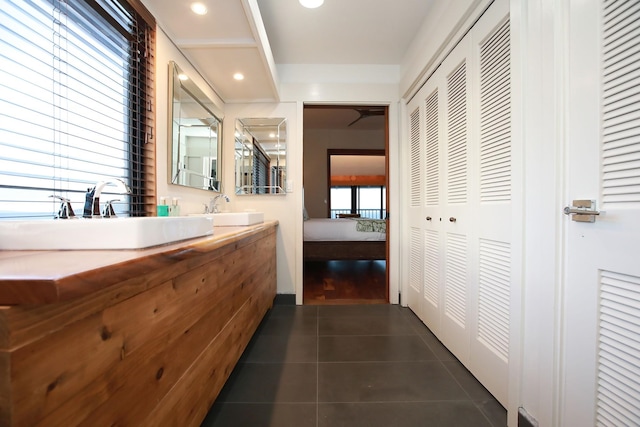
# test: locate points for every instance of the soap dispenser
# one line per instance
(174, 209)
(162, 208)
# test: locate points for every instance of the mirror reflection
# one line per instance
(196, 133)
(260, 155)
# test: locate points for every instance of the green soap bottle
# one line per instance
(162, 208)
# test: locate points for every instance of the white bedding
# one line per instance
(340, 229)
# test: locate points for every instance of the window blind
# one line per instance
(76, 98)
(260, 169)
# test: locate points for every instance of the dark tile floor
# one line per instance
(358, 365)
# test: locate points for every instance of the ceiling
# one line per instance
(340, 117)
(254, 37)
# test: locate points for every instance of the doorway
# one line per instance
(345, 247)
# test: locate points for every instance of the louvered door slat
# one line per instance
(432, 166)
(456, 279)
(457, 136)
(619, 350)
(495, 117)
(415, 260)
(494, 296)
(416, 188)
(621, 103)
(431, 267)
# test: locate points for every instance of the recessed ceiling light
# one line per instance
(311, 4)
(238, 76)
(199, 8)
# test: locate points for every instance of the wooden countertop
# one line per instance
(43, 277)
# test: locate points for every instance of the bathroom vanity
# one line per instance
(131, 337)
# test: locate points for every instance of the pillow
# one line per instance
(305, 215)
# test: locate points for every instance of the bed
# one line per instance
(344, 239)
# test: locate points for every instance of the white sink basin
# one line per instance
(223, 219)
(106, 233)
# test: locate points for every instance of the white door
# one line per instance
(600, 372)
(494, 193)
(432, 297)
(459, 216)
(414, 211)
(456, 221)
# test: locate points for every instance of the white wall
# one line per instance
(191, 200)
(281, 208)
(316, 144)
(306, 85)
(285, 208)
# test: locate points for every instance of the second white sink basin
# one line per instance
(106, 233)
(227, 219)
(237, 218)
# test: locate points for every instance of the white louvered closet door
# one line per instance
(433, 180)
(415, 220)
(600, 370)
(492, 244)
(425, 225)
(456, 219)
(460, 205)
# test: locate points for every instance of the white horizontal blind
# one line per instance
(74, 101)
(260, 169)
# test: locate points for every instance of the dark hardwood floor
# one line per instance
(345, 282)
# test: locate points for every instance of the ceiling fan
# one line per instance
(368, 112)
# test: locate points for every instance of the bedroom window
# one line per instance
(76, 104)
(366, 201)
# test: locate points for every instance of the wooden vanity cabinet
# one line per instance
(153, 347)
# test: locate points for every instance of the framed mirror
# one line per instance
(196, 134)
(261, 156)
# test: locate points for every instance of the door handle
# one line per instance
(582, 211)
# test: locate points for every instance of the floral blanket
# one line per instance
(371, 225)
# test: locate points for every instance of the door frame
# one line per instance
(391, 298)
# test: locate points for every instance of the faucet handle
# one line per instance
(108, 211)
(65, 211)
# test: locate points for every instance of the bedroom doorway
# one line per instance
(348, 189)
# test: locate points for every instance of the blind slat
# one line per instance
(74, 104)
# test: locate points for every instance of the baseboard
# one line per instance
(526, 420)
(285, 299)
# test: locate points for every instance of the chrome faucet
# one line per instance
(92, 198)
(65, 211)
(213, 204)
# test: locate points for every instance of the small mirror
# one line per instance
(196, 145)
(260, 156)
